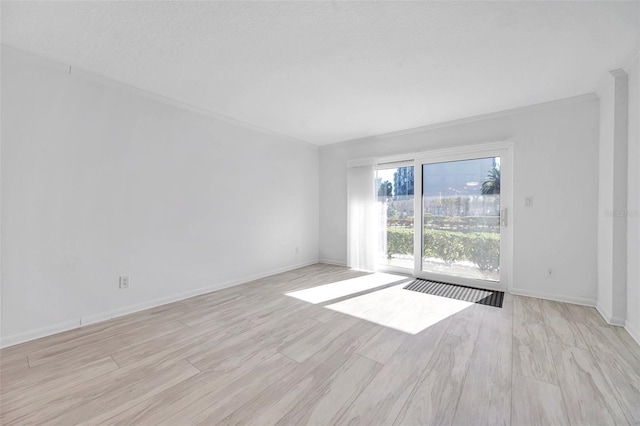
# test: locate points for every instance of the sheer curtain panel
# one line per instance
(361, 226)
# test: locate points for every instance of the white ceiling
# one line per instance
(326, 72)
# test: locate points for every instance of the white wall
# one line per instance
(100, 180)
(555, 162)
(633, 199)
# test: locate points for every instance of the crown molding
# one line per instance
(606, 79)
(90, 75)
(69, 69)
(618, 73)
(575, 99)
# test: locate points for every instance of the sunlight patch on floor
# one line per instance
(403, 310)
(324, 293)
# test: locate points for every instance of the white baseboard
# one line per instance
(333, 262)
(38, 333)
(104, 316)
(555, 297)
(633, 332)
(610, 319)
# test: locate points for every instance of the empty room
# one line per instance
(320, 212)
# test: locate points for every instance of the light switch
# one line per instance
(528, 201)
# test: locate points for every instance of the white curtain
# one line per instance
(362, 223)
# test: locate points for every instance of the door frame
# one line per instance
(504, 150)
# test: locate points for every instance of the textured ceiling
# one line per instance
(331, 71)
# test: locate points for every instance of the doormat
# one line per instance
(458, 292)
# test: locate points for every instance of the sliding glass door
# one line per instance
(462, 218)
(443, 216)
(461, 212)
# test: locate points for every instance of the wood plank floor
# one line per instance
(326, 345)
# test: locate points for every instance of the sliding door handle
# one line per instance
(503, 217)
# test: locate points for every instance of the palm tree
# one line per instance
(492, 184)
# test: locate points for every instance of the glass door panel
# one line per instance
(461, 218)
(395, 209)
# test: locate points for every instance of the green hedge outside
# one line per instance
(481, 248)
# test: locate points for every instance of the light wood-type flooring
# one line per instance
(326, 345)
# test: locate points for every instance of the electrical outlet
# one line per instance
(124, 282)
